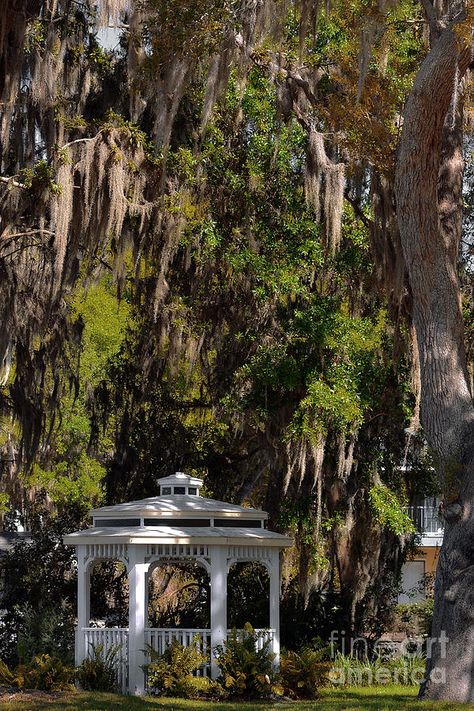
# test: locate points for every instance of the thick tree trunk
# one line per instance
(428, 190)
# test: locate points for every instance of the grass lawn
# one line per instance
(366, 699)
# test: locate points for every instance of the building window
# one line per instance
(165, 490)
(192, 490)
(179, 490)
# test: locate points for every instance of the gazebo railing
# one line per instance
(158, 639)
(263, 636)
(115, 638)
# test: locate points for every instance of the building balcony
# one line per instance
(428, 524)
(421, 567)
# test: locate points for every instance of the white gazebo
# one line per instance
(177, 525)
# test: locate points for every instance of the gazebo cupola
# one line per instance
(178, 524)
(180, 484)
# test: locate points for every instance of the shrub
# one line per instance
(303, 672)
(246, 671)
(415, 618)
(39, 590)
(350, 671)
(408, 670)
(48, 630)
(7, 677)
(173, 672)
(43, 672)
(98, 672)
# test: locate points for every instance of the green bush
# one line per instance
(246, 671)
(47, 630)
(98, 672)
(303, 673)
(173, 672)
(350, 671)
(7, 677)
(408, 670)
(416, 617)
(44, 672)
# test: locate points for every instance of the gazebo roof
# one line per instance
(177, 504)
(178, 518)
(180, 536)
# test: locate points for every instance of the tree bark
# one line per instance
(429, 207)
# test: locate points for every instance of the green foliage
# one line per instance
(73, 475)
(48, 630)
(134, 135)
(35, 36)
(100, 60)
(44, 672)
(416, 617)
(303, 672)
(388, 510)
(326, 403)
(98, 671)
(7, 676)
(181, 29)
(349, 670)
(70, 123)
(39, 178)
(246, 671)
(71, 482)
(38, 596)
(4, 503)
(105, 320)
(298, 517)
(173, 673)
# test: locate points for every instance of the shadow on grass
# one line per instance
(382, 699)
(112, 702)
(355, 699)
(367, 700)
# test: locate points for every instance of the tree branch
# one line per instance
(366, 221)
(429, 11)
(79, 140)
(11, 181)
(9, 238)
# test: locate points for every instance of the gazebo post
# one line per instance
(83, 603)
(147, 595)
(274, 570)
(136, 619)
(218, 602)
